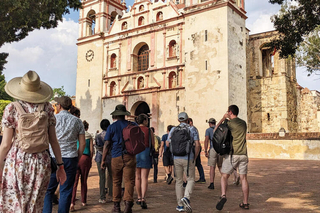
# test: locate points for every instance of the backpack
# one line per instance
(222, 139)
(157, 142)
(133, 139)
(32, 130)
(181, 143)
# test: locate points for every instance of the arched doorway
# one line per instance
(140, 107)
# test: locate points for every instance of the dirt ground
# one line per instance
(275, 186)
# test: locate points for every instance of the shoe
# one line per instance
(221, 202)
(116, 207)
(184, 184)
(128, 208)
(180, 208)
(186, 204)
(201, 181)
(169, 179)
(211, 186)
(144, 204)
(102, 201)
(55, 199)
(244, 206)
(138, 202)
(83, 204)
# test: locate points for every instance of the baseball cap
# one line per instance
(182, 116)
(212, 120)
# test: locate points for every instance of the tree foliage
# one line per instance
(58, 92)
(308, 54)
(296, 19)
(19, 17)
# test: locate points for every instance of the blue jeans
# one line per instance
(70, 166)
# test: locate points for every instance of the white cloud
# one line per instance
(262, 24)
(51, 53)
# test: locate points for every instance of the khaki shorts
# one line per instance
(214, 159)
(238, 161)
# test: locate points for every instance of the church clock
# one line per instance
(89, 55)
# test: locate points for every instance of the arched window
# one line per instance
(113, 61)
(143, 58)
(140, 82)
(91, 23)
(159, 16)
(267, 61)
(113, 17)
(124, 26)
(113, 88)
(172, 80)
(172, 48)
(141, 8)
(141, 21)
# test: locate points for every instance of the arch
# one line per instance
(113, 88)
(113, 61)
(141, 8)
(141, 21)
(143, 58)
(267, 60)
(172, 48)
(113, 17)
(124, 26)
(140, 83)
(140, 107)
(91, 22)
(159, 16)
(172, 80)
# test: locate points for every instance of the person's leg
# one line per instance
(110, 182)
(102, 181)
(117, 169)
(189, 178)
(245, 188)
(155, 169)
(144, 182)
(53, 184)
(200, 169)
(212, 173)
(179, 180)
(75, 186)
(138, 183)
(129, 177)
(224, 183)
(85, 169)
(70, 165)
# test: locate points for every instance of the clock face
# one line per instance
(89, 55)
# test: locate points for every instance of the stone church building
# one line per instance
(164, 57)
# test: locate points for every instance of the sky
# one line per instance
(53, 53)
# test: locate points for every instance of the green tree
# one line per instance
(19, 17)
(308, 54)
(296, 19)
(58, 92)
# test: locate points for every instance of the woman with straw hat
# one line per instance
(25, 175)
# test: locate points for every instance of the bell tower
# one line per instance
(97, 16)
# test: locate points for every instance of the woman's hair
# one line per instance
(142, 117)
(104, 124)
(86, 125)
(75, 111)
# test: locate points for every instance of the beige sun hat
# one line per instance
(29, 88)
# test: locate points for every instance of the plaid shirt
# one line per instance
(68, 129)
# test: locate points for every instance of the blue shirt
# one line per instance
(209, 132)
(194, 135)
(99, 146)
(114, 135)
(164, 139)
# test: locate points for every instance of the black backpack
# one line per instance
(181, 143)
(222, 139)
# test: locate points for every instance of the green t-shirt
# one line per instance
(238, 128)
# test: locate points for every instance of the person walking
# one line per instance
(144, 161)
(184, 134)
(122, 164)
(104, 124)
(155, 157)
(239, 158)
(166, 156)
(213, 157)
(25, 173)
(83, 170)
(69, 129)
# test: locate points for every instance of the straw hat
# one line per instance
(29, 88)
(120, 110)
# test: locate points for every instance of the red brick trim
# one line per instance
(288, 136)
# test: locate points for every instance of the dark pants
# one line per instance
(155, 161)
(102, 181)
(84, 166)
(70, 167)
(199, 167)
(123, 166)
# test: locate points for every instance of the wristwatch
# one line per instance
(60, 164)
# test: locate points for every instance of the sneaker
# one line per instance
(180, 208)
(184, 184)
(186, 204)
(211, 186)
(169, 180)
(201, 181)
(102, 201)
(221, 202)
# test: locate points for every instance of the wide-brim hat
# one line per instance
(29, 88)
(120, 110)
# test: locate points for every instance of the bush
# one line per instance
(3, 104)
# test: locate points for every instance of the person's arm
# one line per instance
(82, 145)
(197, 149)
(60, 173)
(106, 149)
(91, 147)
(161, 149)
(225, 116)
(206, 144)
(5, 147)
